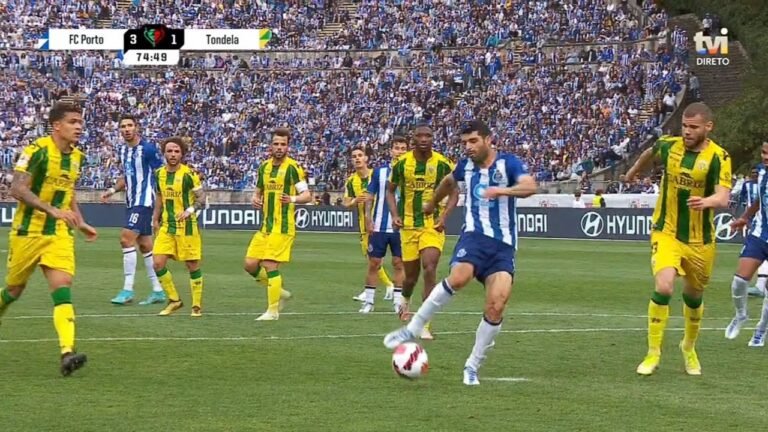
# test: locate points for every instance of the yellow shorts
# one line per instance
(693, 262)
(364, 244)
(179, 247)
(272, 247)
(416, 240)
(26, 253)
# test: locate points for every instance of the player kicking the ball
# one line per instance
(179, 196)
(486, 248)
(754, 253)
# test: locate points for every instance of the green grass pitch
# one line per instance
(574, 333)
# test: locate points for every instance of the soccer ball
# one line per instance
(410, 360)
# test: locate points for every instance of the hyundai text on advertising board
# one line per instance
(566, 223)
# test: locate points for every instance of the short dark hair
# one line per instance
(180, 141)
(60, 109)
(699, 108)
(399, 139)
(358, 147)
(128, 117)
(282, 132)
(478, 126)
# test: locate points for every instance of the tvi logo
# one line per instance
(712, 46)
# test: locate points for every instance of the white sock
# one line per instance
(764, 316)
(439, 297)
(149, 265)
(762, 276)
(398, 296)
(486, 333)
(739, 293)
(129, 267)
(370, 294)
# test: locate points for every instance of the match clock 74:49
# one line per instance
(151, 58)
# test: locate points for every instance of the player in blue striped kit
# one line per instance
(486, 248)
(747, 195)
(753, 254)
(138, 159)
(381, 233)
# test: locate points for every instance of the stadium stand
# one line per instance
(566, 108)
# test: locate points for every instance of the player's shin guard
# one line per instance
(166, 281)
(384, 277)
(64, 319)
(484, 340)
(196, 286)
(274, 288)
(739, 288)
(762, 276)
(693, 310)
(439, 297)
(5, 300)
(762, 325)
(658, 314)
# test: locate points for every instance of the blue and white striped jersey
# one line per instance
(377, 187)
(493, 218)
(139, 164)
(759, 225)
(748, 193)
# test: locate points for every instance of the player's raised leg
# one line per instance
(430, 257)
(60, 283)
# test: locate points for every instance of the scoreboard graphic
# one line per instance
(155, 44)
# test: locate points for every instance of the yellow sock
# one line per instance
(64, 319)
(196, 285)
(274, 288)
(693, 310)
(384, 277)
(658, 314)
(166, 281)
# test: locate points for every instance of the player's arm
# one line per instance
(119, 186)
(302, 188)
(747, 216)
(373, 189)
(157, 212)
(257, 199)
(88, 231)
(643, 161)
(521, 184)
(349, 194)
(722, 194)
(198, 196)
(394, 182)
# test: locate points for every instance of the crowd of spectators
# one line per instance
(568, 111)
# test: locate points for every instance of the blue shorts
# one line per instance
(486, 254)
(754, 248)
(139, 220)
(379, 241)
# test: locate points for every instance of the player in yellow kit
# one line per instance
(355, 196)
(41, 233)
(280, 186)
(179, 196)
(697, 180)
(416, 174)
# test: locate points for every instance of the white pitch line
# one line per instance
(339, 336)
(507, 379)
(512, 314)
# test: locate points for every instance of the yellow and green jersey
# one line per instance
(355, 187)
(54, 175)
(417, 182)
(274, 181)
(176, 192)
(686, 174)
